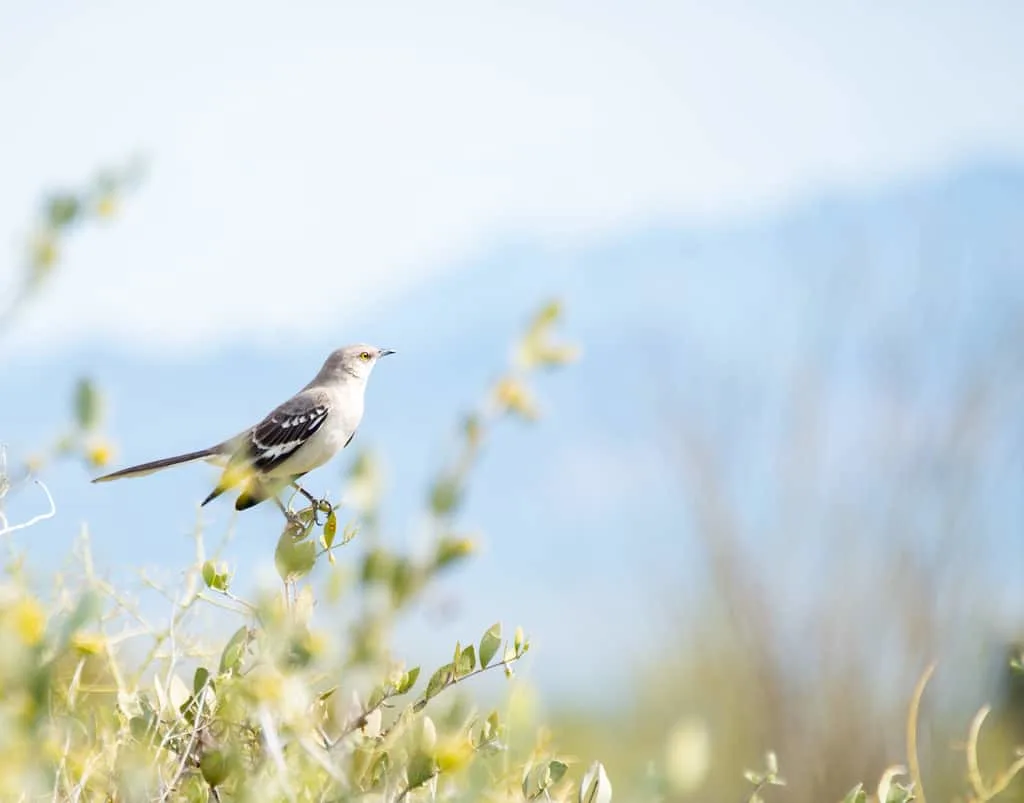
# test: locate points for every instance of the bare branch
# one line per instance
(915, 706)
(983, 793)
(7, 529)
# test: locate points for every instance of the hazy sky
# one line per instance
(308, 163)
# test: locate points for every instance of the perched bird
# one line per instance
(296, 437)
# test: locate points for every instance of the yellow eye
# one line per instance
(365, 356)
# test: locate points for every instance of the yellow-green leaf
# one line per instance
(437, 682)
(330, 529)
(422, 767)
(467, 661)
(408, 680)
(294, 556)
(489, 644)
(231, 658)
(87, 404)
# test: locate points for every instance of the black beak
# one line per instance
(385, 352)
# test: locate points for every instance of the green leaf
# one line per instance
(294, 556)
(467, 661)
(556, 770)
(377, 696)
(231, 658)
(527, 785)
(445, 497)
(216, 576)
(408, 680)
(856, 795)
(541, 778)
(214, 768)
(898, 793)
(450, 549)
(61, 210)
(438, 681)
(547, 314)
(361, 760)
(87, 404)
(380, 768)
(330, 529)
(473, 430)
(404, 580)
(200, 679)
(422, 768)
(489, 644)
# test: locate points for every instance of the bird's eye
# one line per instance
(365, 356)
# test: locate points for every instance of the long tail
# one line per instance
(156, 465)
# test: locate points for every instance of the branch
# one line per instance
(981, 792)
(7, 529)
(169, 787)
(912, 714)
(360, 720)
(973, 770)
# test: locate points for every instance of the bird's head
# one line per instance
(355, 361)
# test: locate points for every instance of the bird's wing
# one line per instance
(278, 436)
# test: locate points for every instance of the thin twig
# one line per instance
(62, 768)
(973, 770)
(1004, 780)
(915, 705)
(753, 792)
(169, 786)
(982, 793)
(7, 529)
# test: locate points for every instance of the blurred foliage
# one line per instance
(99, 702)
(854, 545)
(61, 213)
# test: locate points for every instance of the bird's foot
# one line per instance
(322, 506)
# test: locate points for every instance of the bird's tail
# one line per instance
(143, 469)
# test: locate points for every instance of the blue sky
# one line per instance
(421, 179)
(367, 148)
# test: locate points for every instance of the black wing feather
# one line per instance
(280, 434)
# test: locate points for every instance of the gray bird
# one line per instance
(296, 437)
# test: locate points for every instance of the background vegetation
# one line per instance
(101, 702)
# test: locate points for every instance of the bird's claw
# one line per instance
(322, 506)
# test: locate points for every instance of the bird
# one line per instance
(296, 437)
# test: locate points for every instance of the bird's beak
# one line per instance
(386, 352)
